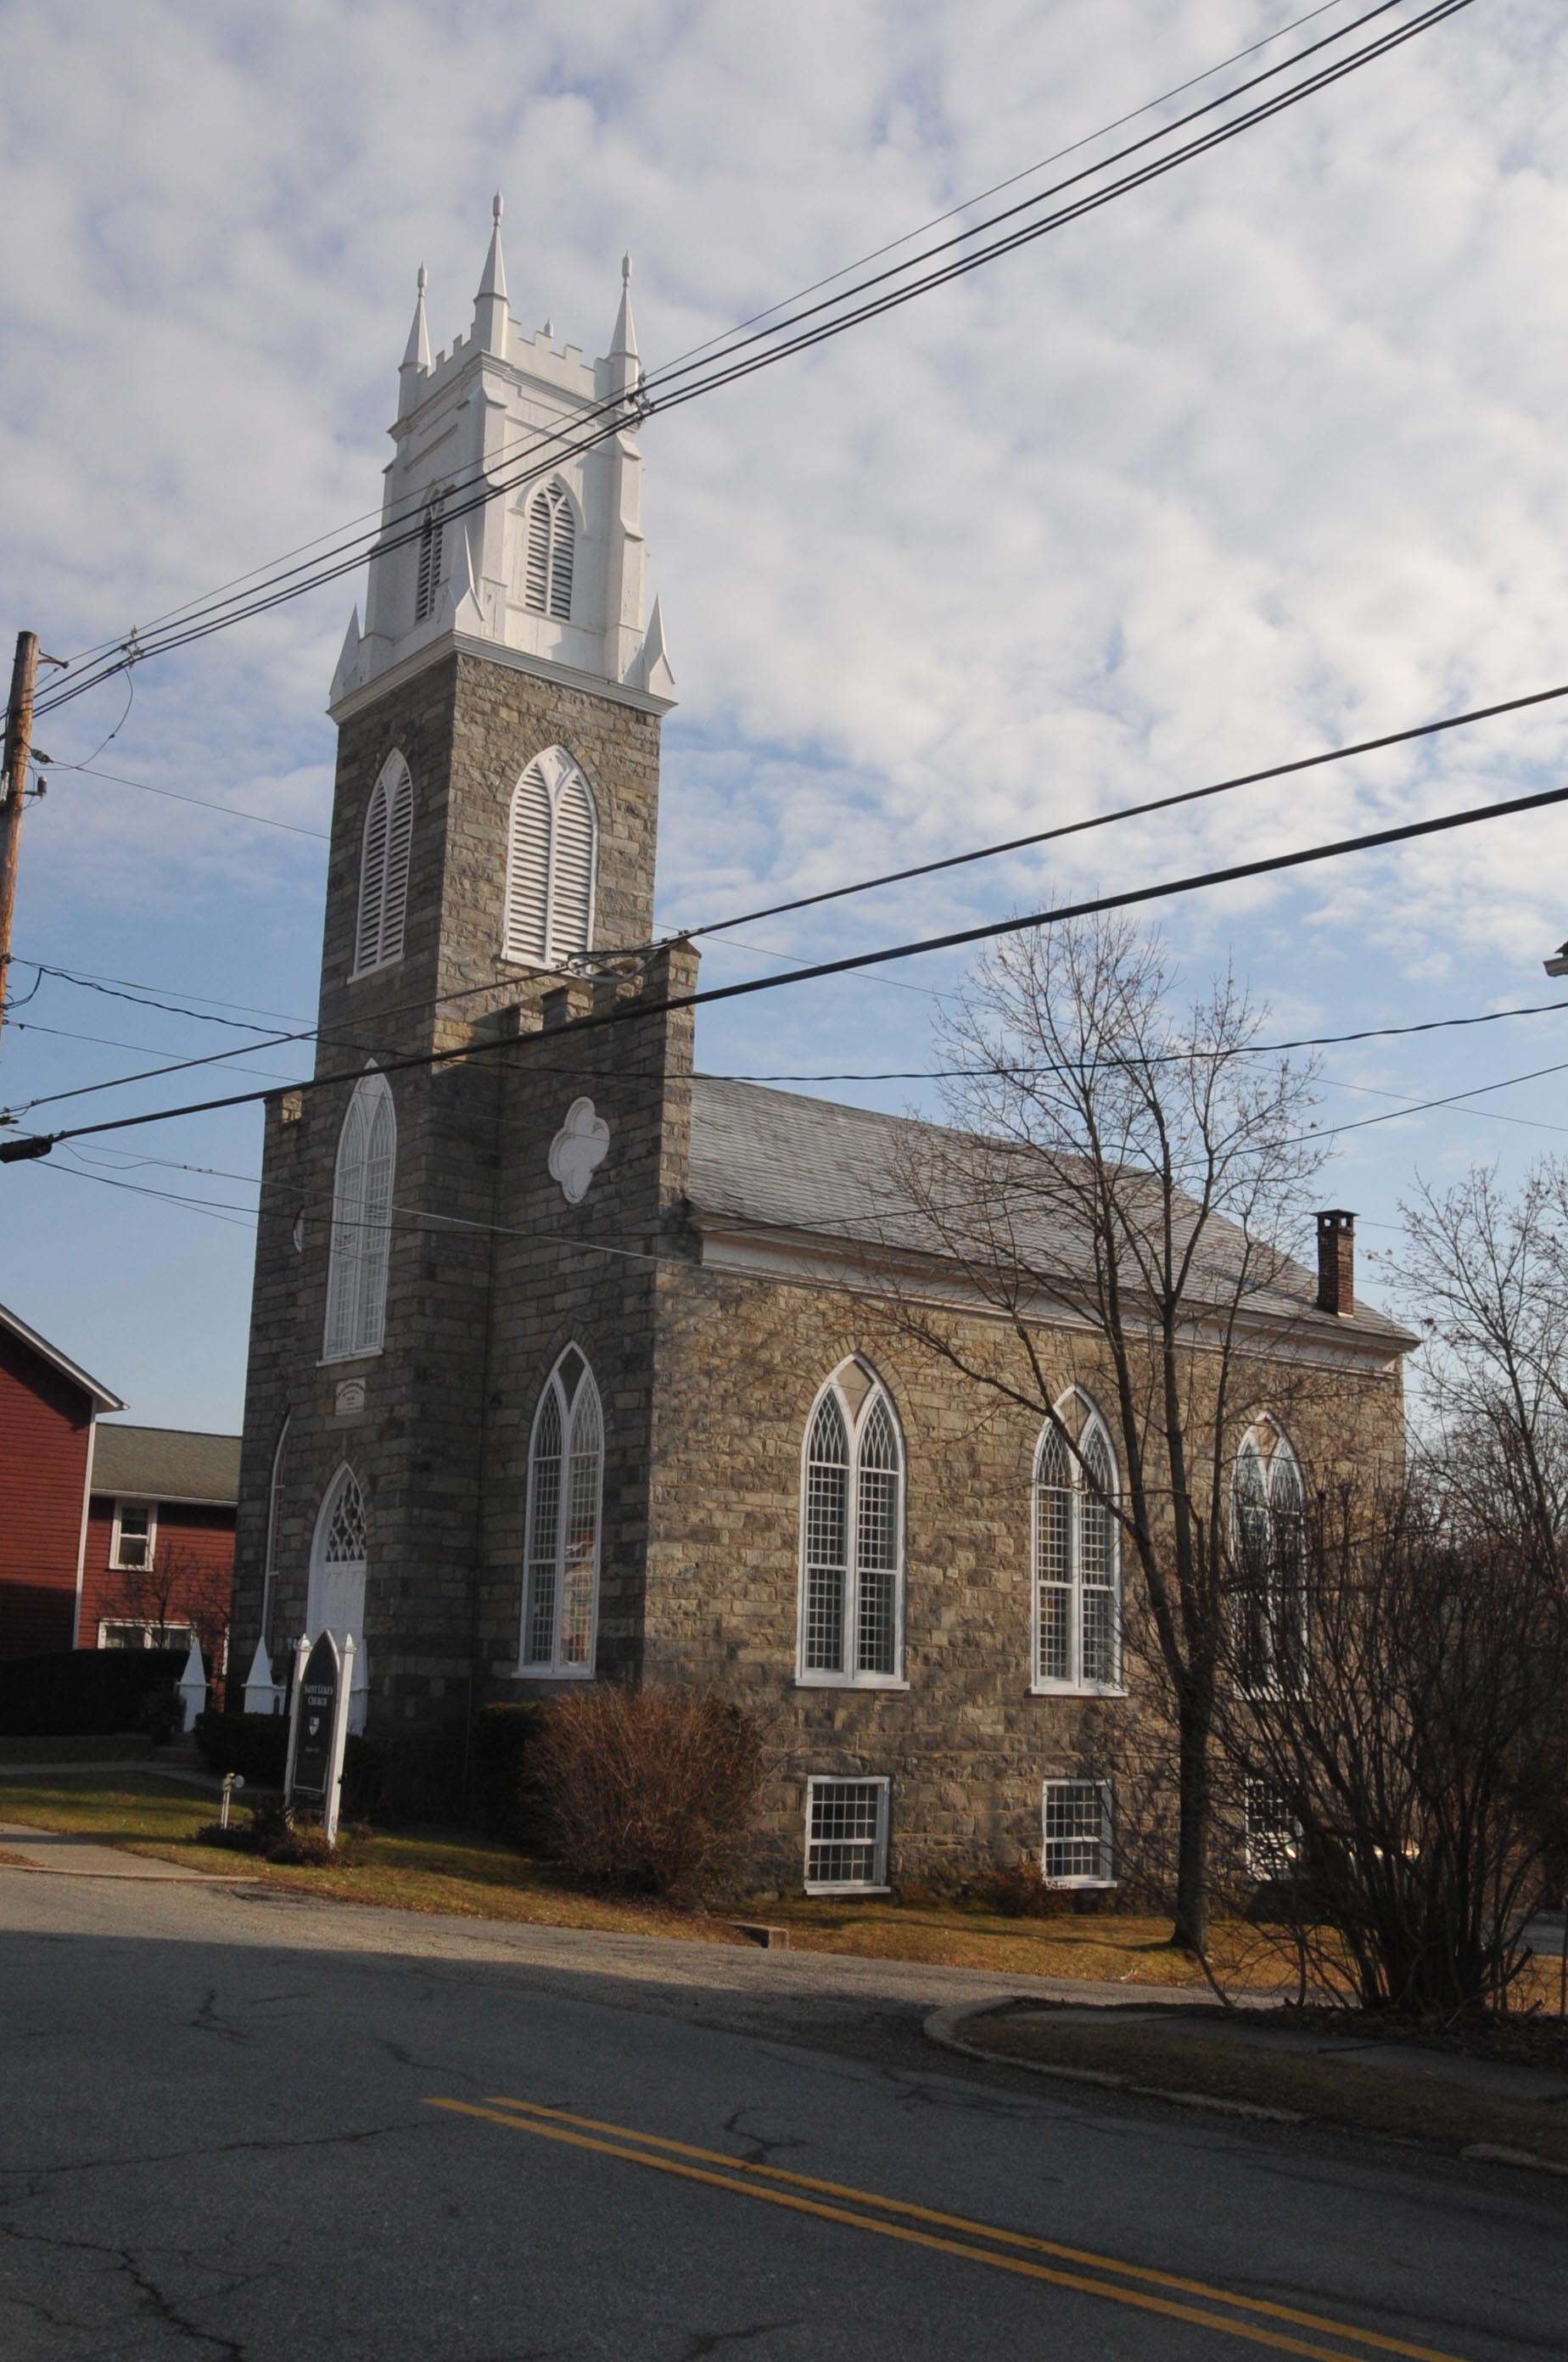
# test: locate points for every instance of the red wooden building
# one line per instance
(158, 1559)
(48, 1410)
(110, 1536)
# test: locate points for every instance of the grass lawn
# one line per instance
(1361, 2099)
(435, 1870)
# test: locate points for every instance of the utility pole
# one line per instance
(18, 745)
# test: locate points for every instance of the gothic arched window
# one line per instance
(361, 1223)
(552, 545)
(551, 858)
(428, 567)
(383, 867)
(336, 1598)
(1268, 1527)
(566, 1485)
(1077, 1558)
(852, 1535)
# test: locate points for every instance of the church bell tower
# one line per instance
(490, 873)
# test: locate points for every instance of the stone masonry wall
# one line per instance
(739, 1363)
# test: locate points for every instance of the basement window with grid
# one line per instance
(1273, 1834)
(1077, 1834)
(846, 1835)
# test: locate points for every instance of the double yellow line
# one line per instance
(897, 2218)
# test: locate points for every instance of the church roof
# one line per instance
(782, 1160)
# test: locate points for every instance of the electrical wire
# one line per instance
(204, 803)
(625, 1012)
(725, 368)
(374, 516)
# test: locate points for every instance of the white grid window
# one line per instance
(428, 567)
(361, 1223)
(846, 1835)
(1078, 1559)
(552, 548)
(384, 868)
(552, 856)
(851, 1537)
(561, 1551)
(1078, 1849)
(135, 1532)
(1269, 1522)
(142, 1632)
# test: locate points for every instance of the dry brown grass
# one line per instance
(1356, 2098)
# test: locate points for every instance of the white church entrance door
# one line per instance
(335, 1601)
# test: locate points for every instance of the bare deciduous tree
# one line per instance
(1390, 1781)
(1127, 1175)
(180, 1590)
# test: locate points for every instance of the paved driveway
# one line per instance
(266, 2128)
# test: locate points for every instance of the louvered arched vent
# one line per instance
(383, 867)
(551, 860)
(428, 573)
(552, 548)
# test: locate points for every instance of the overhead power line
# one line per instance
(12, 1152)
(800, 330)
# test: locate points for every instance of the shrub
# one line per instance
(1017, 1891)
(82, 1692)
(648, 1791)
(254, 1745)
(503, 1793)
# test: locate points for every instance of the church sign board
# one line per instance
(317, 1728)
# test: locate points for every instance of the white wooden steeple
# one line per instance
(548, 574)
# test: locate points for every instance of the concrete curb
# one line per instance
(135, 1877)
(941, 2028)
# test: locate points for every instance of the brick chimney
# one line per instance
(1336, 1262)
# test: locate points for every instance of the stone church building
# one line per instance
(562, 1361)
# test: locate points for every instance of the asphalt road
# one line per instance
(249, 2126)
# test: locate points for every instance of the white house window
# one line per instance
(566, 1485)
(135, 1530)
(384, 868)
(1269, 1506)
(361, 1223)
(1076, 1850)
(851, 1536)
(1078, 1559)
(552, 539)
(551, 858)
(846, 1835)
(141, 1633)
(427, 568)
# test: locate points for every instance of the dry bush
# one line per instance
(1017, 1891)
(647, 1791)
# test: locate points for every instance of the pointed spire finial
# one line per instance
(422, 282)
(624, 340)
(490, 304)
(416, 352)
(497, 207)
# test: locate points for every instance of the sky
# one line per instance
(1263, 459)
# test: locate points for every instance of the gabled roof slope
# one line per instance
(166, 1464)
(61, 1361)
(781, 1161)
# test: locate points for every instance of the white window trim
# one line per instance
(147, 1625)
(548, 500)
(809, 1677)
(133, 1501)
(1106, 1877)
(1261, 1843)
(1045, 1684)
(394, 785)
(556, 768)
(358, 1350)
(557, 1670)
(878, 1885)
(1281, 1453)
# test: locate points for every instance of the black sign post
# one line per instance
(317, 1728)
